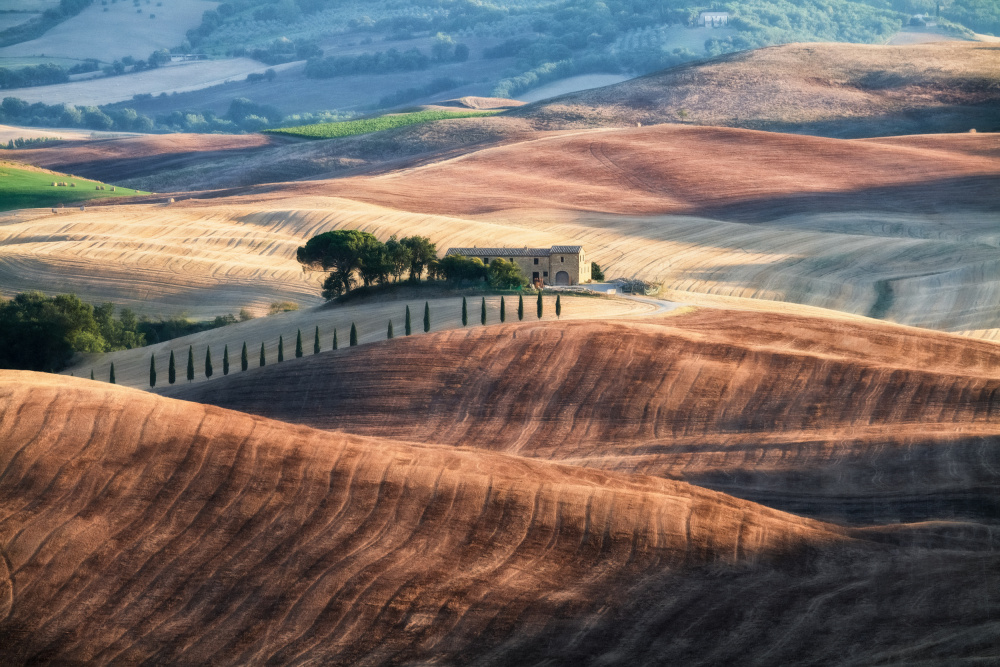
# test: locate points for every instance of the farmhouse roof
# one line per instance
(514, 252)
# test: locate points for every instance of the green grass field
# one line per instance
(22, 188)
(350, 128)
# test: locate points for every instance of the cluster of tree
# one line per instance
(36, 27)
(446, 49)
(499, 274)
(409, 94)
(979, 15)
(243, 116)
(18, 112)
(41, 333)
(37, 75)
(50, 73)
(352, 255)
(382, 62)
(256, 77)
(22, 142)
(282, 50)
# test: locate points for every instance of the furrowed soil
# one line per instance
(859, 422)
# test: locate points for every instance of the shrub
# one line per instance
(595, 272)
(504, 274)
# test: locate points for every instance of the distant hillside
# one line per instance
(837, 90)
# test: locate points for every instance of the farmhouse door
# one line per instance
(562, 278)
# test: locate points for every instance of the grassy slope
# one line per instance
(367, 125)
(29, 188)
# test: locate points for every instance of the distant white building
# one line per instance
(713, 19)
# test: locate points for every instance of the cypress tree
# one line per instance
(335, 338)
(225, 360)
(520, 307)
(558, 307)
(482, 313)
(172, 369)
(190, 368)
(539, 304)
(91, 373)
(298, 344)
(152, 370)
(244, 359)
(316, 341)
(427, 316)
(465, 313)
(388, 334)
(263, 359)
(409, 327)
(112, 372)
(354, 335)
(281, 349)
(208, 362)
(503, 311)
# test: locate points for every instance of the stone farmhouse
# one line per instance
(558, 265)
(713, 19)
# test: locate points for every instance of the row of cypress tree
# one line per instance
(353, 340)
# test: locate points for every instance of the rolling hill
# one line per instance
(185, 533)
(139, 528)
(833, 90)
(853, 421)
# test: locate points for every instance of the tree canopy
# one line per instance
(350, 256)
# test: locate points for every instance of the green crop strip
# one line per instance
(351, 128)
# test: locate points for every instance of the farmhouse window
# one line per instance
(562, 259)
(545, 274)
(536, 260)
(486, 260)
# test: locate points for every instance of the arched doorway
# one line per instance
(562, 278)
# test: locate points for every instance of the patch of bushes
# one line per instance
(403, 96)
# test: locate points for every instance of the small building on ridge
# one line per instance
(558, 265)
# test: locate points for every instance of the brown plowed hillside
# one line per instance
(141, 529)
(118, 159)
(838, 90)
(719, 172)
(847, 420)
